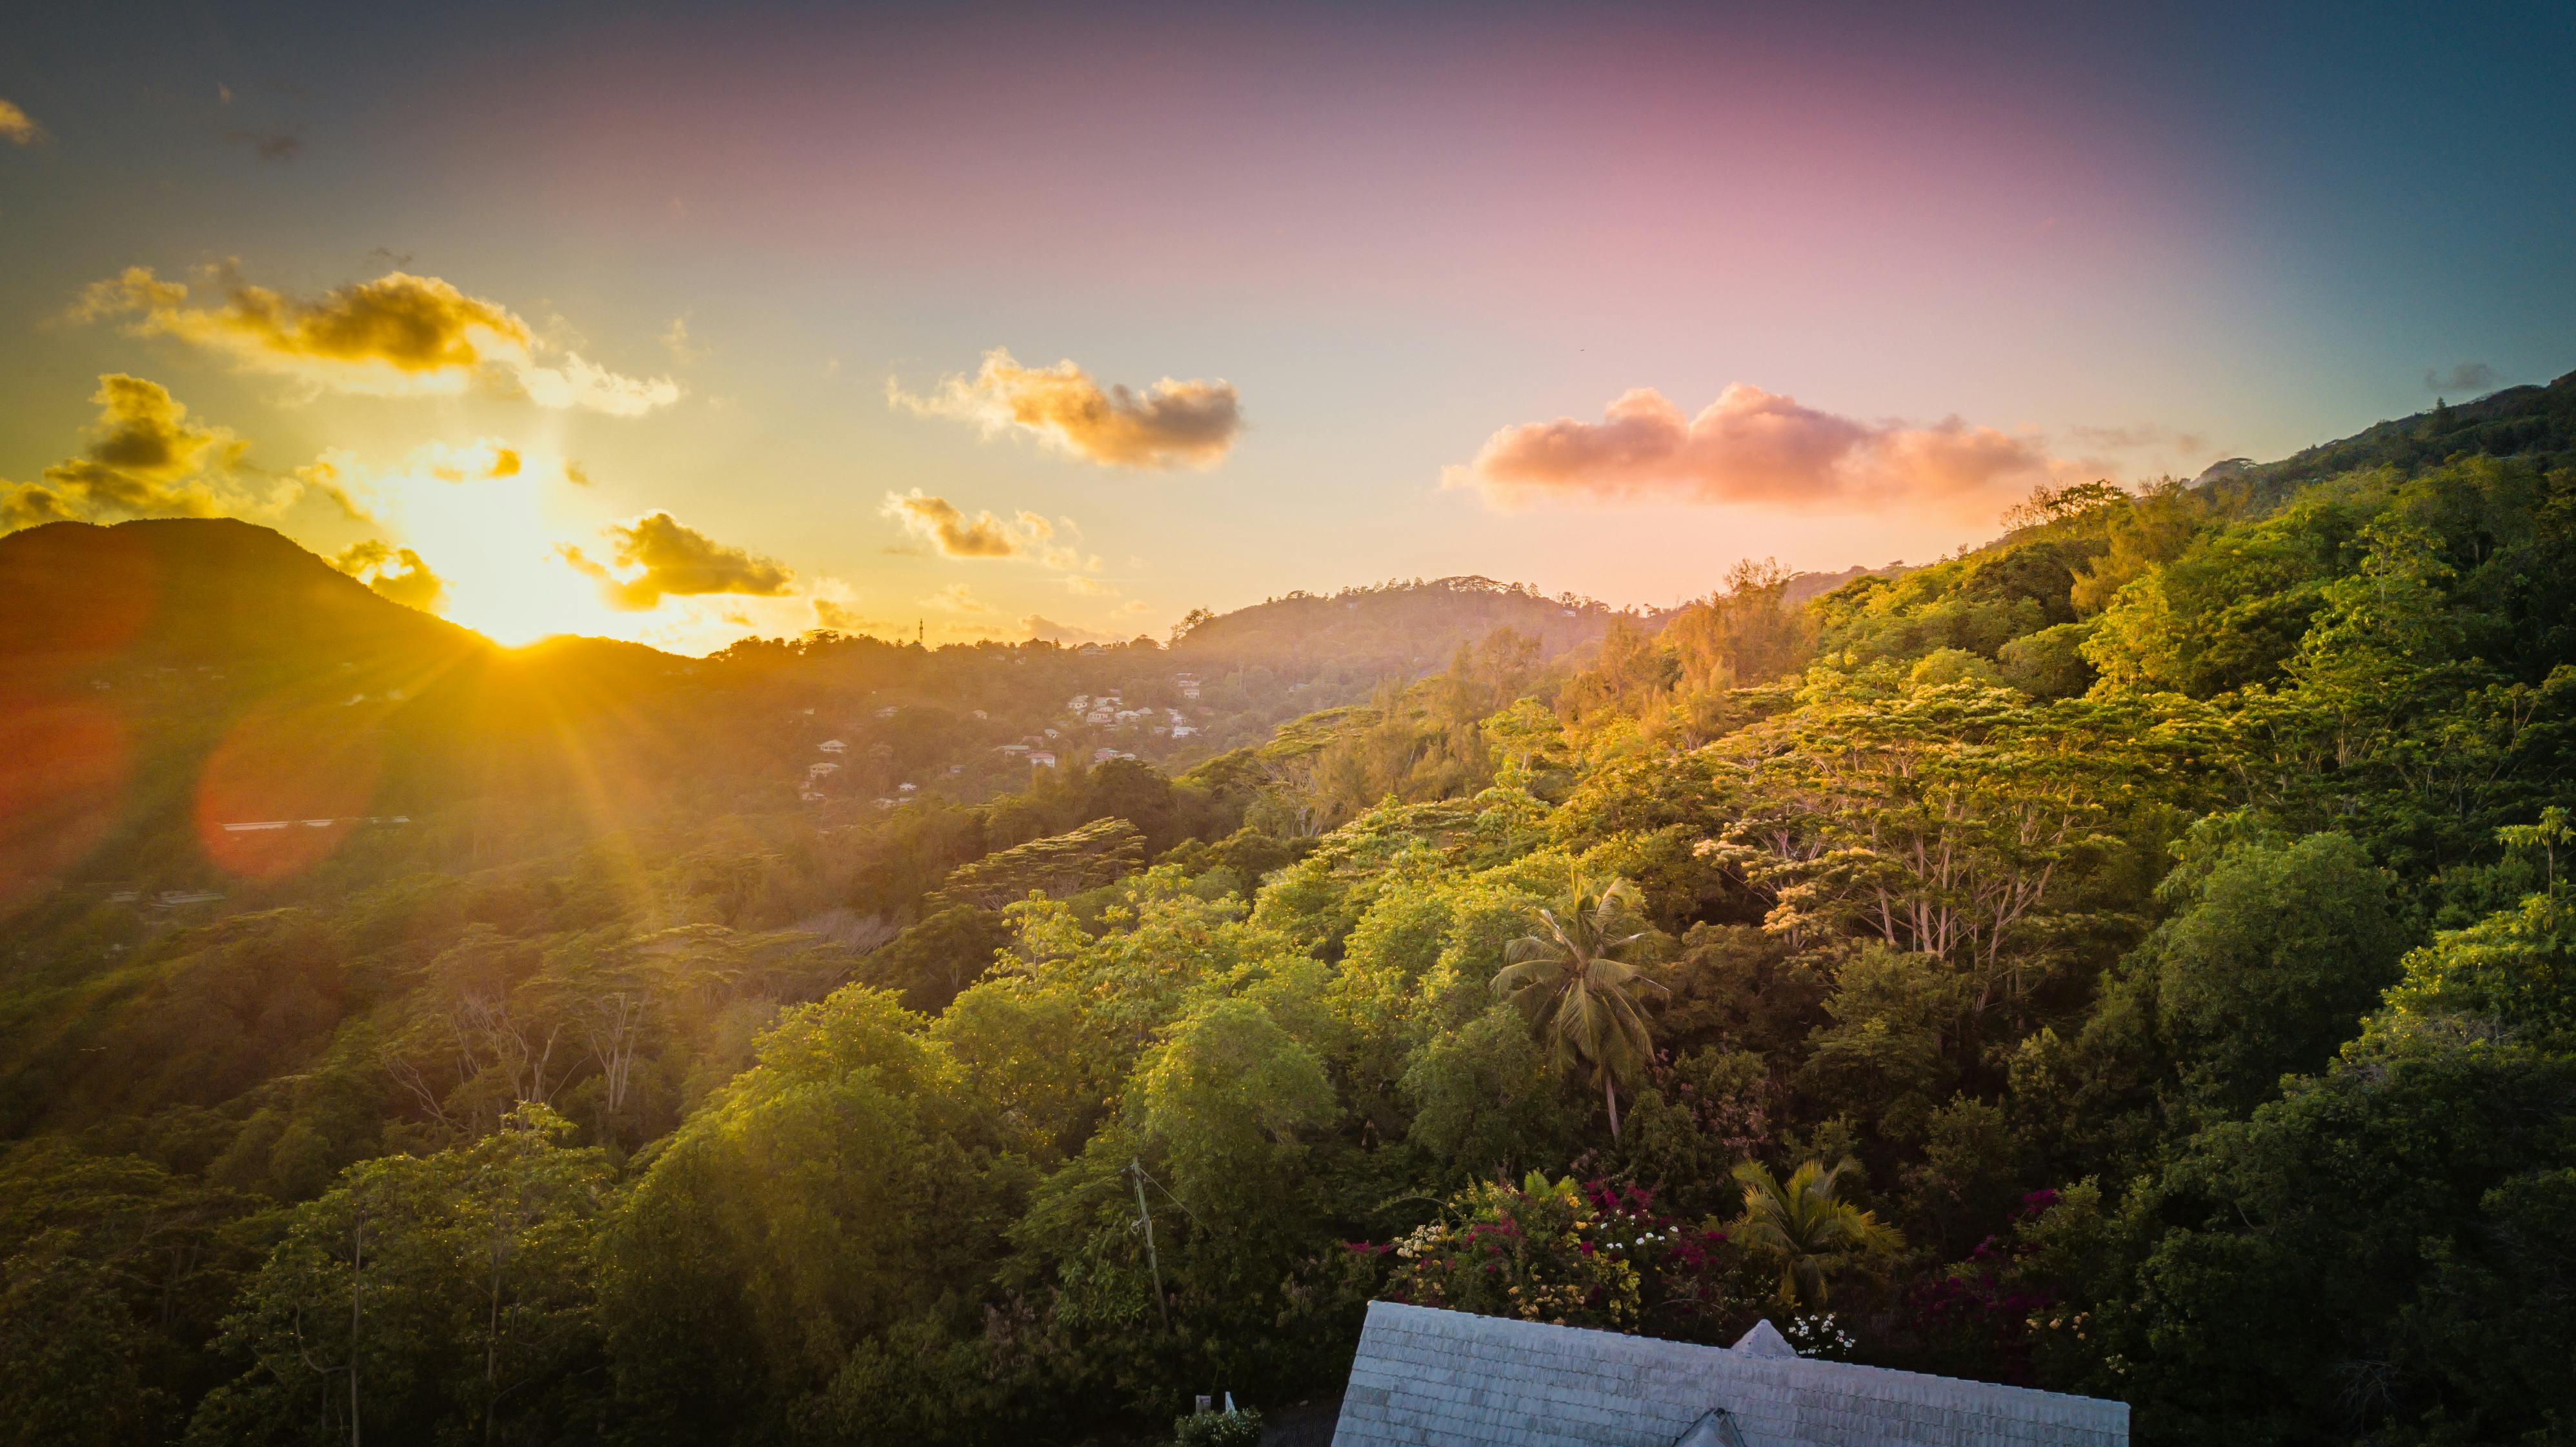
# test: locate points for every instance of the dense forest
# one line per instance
(2132, 957)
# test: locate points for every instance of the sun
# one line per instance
(491, 541)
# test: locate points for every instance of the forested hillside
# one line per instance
(2133, 957)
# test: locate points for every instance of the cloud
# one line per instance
(1042, 629)
(484, 457)
(326, 476)
(955, 598)
(946, 528)
(840, 617)
(675, 340)
(269, 145)
(1076, 583)
(394, 573)
(579, 384)
(145, 458)
(2139, 437)
(17, 127)
(398, 335)
(2473, 378)
(1170, 424)
(1752, 446)
(672, 560)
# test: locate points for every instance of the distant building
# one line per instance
(1014, 748)
(1041, 759)
(888, 711)
(816, 771)
(832, 746)
(906, 788)
(1448, 1378)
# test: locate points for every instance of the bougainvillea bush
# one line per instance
(1597, 1254)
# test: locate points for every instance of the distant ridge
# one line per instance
(2532, 421)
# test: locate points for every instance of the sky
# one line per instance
(681, 323)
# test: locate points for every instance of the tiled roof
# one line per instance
(1427, 1378)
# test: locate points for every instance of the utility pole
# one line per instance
(1145, 1218)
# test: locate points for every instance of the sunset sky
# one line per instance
(674, 326)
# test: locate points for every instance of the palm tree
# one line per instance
(1812, 1234)
(1579, 989)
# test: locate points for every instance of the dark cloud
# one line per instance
(1170, 424)
(669, 559)
(399, 334)
(269, 145)
(946, 527)
(2473, 379)
(146, 458)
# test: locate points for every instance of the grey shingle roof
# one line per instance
(1428, 1378)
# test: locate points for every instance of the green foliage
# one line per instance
(426, 1298)
(2166, 902)
(1239, 1428)
(1802, 1227)
(1581, 997)
(2276, 952)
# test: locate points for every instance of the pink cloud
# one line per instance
(1752, 446)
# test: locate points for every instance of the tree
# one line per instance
(1802, 1225)
(1057, 865)
(426, 1298)
(2278, 950)
(1579, 992)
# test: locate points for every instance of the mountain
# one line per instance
(107, 604)
(174, 683)
(2534, 422)
(1396, 626)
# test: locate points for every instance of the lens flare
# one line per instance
(64, 766)
(285, 787)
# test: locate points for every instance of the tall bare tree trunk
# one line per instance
(357, 1284)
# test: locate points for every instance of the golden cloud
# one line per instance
(484, 457)
(145, 458)
(1170, 424)
(394, 573)
(955, 598)
(949, 531)
(397, 335)
(840, 617)
(17, 127)
(1752, 446)
(669, 559)
(946, 528)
